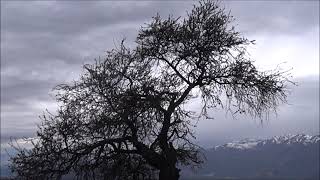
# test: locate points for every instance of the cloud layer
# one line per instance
(45, 43)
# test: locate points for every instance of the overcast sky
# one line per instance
(45, 43)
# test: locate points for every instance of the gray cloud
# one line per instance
(38, 32)
(44, 43)
(71, 18)
(275, 17)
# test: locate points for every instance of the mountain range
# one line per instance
(281, 156)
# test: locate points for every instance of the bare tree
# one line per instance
(125, 118)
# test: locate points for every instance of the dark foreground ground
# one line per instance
(225, 178)
(260, 178)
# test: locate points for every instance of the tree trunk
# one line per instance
(168, 170)
(169, 173)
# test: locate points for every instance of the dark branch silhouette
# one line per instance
(125, 117)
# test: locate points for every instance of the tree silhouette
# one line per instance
(125, 118)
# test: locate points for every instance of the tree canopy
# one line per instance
(125, 118)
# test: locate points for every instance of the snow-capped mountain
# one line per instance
(293, 156)
(246, 144)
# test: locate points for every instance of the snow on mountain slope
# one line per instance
(277, 140)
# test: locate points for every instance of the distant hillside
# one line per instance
(282, 156)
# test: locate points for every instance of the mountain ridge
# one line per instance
(289, 139)
(295, 156)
